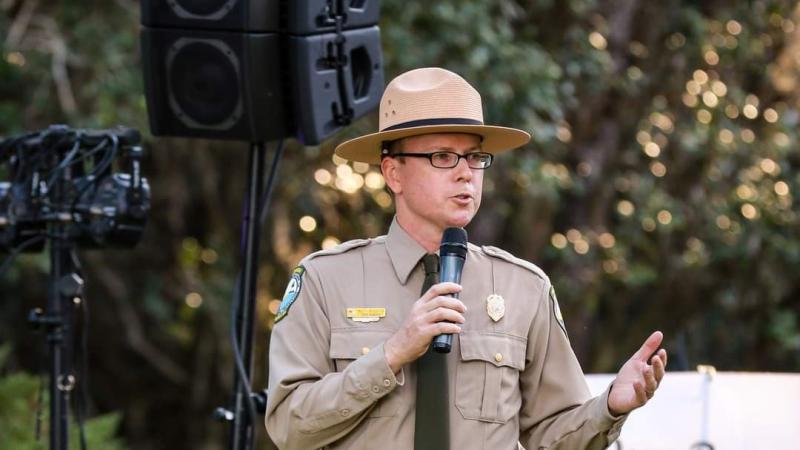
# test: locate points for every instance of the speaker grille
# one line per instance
(203, 78)
(201, 9)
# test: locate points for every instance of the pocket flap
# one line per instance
(496, 348)
(350, 344)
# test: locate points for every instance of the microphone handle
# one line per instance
(451, 272)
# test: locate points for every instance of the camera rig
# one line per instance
(74, 188)
(66, 176)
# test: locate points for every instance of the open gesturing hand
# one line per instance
(638, 379)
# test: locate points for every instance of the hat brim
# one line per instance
(494, 140)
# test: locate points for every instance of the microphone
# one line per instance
(452, 254)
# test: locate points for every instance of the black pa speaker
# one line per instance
(258, 70)
(231, 15)
(213, 84)
(324, 100)
(319, 16)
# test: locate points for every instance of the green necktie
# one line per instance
(432, 425)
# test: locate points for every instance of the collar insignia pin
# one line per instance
(495, 307)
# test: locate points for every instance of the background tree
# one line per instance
(658, 191)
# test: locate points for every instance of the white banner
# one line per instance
(726, 411)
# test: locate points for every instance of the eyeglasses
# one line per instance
(448, 160)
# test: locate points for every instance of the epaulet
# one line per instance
(505, 256)
(341, 248)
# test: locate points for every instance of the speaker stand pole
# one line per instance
(242, 431)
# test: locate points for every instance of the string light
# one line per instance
(625, 207)
(652, 149)
(597, 40)
(658, 169)
(193, 300)
(770, 115)
(725, 136)
(733, 27)
(606, 240)
(558, 240)
(749, 211)
(781, 188)
(750, 111)
(573, 235)
(322, 177)
(308, 224)
(329, 242)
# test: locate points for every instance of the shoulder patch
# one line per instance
(557, 311)
(508, 257)
(341, 248)
(292, 291)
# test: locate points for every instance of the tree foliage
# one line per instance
(21, 399)
(658, 191)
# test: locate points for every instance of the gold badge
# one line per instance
(366, 314)
(495, 307)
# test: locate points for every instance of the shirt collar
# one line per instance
(403, 250)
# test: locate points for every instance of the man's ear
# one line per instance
(389, 169)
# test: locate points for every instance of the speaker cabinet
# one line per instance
(258, 70)
(315, 16)
(231, 15)
(317, 96)
(213, 84)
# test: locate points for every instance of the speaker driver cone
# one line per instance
(204, 83)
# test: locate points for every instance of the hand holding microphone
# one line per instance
(452, 254)
(437, 313)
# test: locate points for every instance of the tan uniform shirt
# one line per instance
(516, 379)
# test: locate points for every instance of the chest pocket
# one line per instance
(351, 344)
(487, 379)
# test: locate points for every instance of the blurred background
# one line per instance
(657, 193)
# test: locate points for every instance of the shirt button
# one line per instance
(498, 357)
(387, 382)
(376, 389)
(345, 412)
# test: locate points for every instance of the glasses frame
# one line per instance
(429, 157)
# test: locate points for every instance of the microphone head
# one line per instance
(454, 242)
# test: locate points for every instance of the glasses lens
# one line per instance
(479, 160)
(444, 159)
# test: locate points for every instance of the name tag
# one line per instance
(366, 314)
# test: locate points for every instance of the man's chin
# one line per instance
(460, 220)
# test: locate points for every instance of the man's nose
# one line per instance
(463, 171)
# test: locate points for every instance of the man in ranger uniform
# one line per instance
(350, 366)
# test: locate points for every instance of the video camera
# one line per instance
(65, 176)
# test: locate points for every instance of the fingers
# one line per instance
(445, 328)
(650, 383)
(440, 289)
(444, 314)
(658, 362)
(649, 346)
(445, 302)
(441, 313)
(641, 395)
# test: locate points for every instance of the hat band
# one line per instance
(440, 121)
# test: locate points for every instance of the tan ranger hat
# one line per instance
(430, 100)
